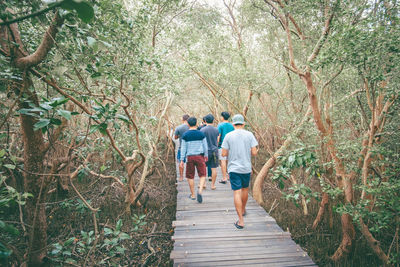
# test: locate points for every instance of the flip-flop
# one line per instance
(199, 198)
(222, 182)
(238, 226)
(192, 198)
(213, 188)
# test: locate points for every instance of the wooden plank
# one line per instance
(232, 235)
(217, 244)
(283, 257)
(220, 226)
(197, 221)
(214, 252)
(248, 262)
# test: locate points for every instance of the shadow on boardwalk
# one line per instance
(205, 234)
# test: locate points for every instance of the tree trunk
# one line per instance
(34, 183)
(34, 145)
(258, 182)
(321, 211)
(345, 181)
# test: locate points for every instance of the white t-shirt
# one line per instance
(239, 143)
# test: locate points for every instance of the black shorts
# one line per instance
(212, 159)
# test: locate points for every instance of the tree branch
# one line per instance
(34, 14)
(323, 37)
(44, 48)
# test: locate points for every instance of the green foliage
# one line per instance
(75, 205)
(301, 158)
(110, 243)
(298, 190)
(49, 113)
(107, 114)
(138, 221)
(83, 9)
(9, 197)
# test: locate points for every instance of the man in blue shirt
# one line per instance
(224, 128)
(194, 149)
(179, 131)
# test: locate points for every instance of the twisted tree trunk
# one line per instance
(35, 147)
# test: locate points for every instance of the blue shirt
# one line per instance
(224, 128)
(194, 143)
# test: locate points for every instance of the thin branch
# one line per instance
(323, 37)
(34, 14)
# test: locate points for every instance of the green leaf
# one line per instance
(91, 41)
(122, 118)
(40, 124)
(103, 168)
(9, 166)
(55, 121)
(8, 228)
(2, 153)
(119, 225)
(93, 128)
(107, 231)
(102, 128)
(120, 249)
(83, 9)
(124, 236)
(64, 113)
(299, 161)
(69, 241)
(281, 184)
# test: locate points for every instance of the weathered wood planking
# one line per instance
(205, 234)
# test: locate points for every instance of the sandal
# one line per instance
(238, 226)
(199, 198)
(192, 198)
(222, 182)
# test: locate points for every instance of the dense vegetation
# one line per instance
(90, 91)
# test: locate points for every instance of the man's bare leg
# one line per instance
(202, 184)
(181, 173)
(223, 170)
(213, 177)
(237, 199)
(191, 186)
(245, 197)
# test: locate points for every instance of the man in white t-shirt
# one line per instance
(239, 145)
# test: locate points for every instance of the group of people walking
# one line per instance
(206, 147)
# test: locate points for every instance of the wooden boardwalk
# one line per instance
(205, 234)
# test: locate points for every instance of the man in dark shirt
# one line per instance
(211, 134)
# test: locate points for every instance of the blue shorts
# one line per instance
(239, 180)
(178, 156)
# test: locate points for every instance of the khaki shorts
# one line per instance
(220, 154)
